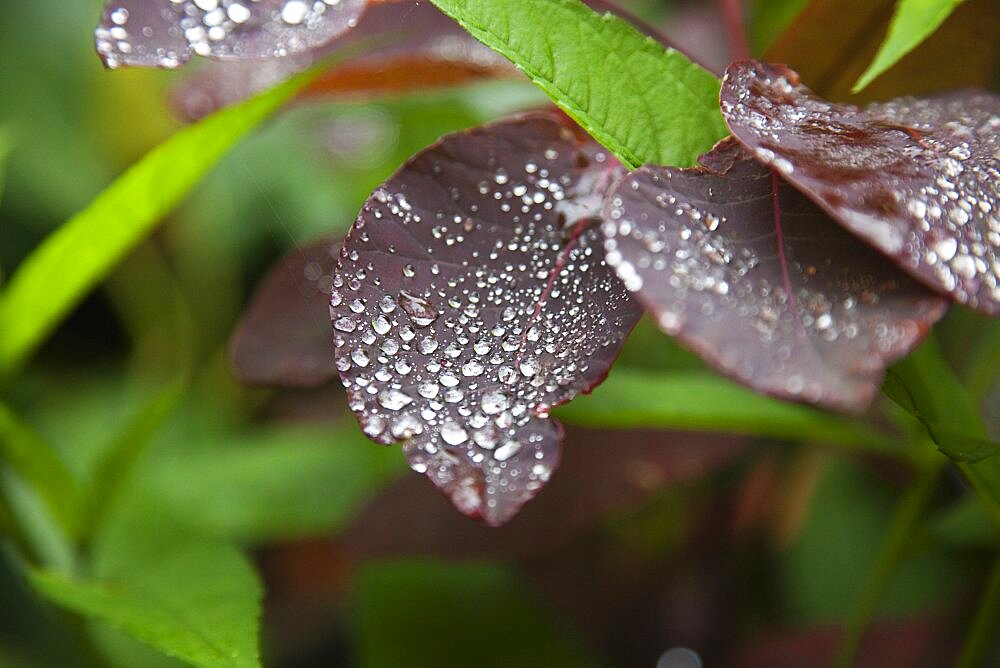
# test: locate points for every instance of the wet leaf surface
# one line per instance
(167, 33)
(471, 297)
(764, 286)
(918, 178)
(283, 337)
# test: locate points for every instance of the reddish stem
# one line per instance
(732, 16)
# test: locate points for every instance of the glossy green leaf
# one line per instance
(913, 22)
(700, 400)
(77, 256)
(198, 601)
(271, 485)
(644, 102)
(401, 608)
(925, 386)
(40, 467)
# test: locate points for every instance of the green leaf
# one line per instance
(199, 602)
(401, 608)
(644, 102)
(115, 467)
(77, 256)
(41, 468)
(278, 484)
(925, 386)
(913, 22)
(702, 401)
(160, 581)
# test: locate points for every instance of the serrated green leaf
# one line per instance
(199, 602)
(275, 484)
(77, 256)
(644, 102)
(913, 22)
(702, 401)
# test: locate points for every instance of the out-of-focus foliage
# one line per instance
(192, 495)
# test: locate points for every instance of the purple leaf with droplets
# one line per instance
(283, 337)
(918, 178)
(471, 297)
(760, 282)
(166, 33)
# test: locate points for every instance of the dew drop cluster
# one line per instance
(166, 33)
(776, 295)
(919, 178)
(471, 297)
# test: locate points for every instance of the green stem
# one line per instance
(984, 627)
(904, 520)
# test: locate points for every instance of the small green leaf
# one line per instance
(913, 22)
(491, 620)
(198, 601)
(699, 400)
(272, 485)
(925, 386)
(644, 102)
(40, 467)
(74, 258)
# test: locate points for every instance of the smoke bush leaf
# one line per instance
(274, 342)
(760, 282)
(166, 33)
(918, 178)
(912, 23)
(471, 297)
(643, 101)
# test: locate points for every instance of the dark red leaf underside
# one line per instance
(471, 297)
(283, 338)
(918, 178)
(166, 33)
(758, 280)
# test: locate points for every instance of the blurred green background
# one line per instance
(749, 551)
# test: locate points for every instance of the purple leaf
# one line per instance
(166, 33)
(471, 297)
(918, 178)
(760, 282)
(283, 338)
